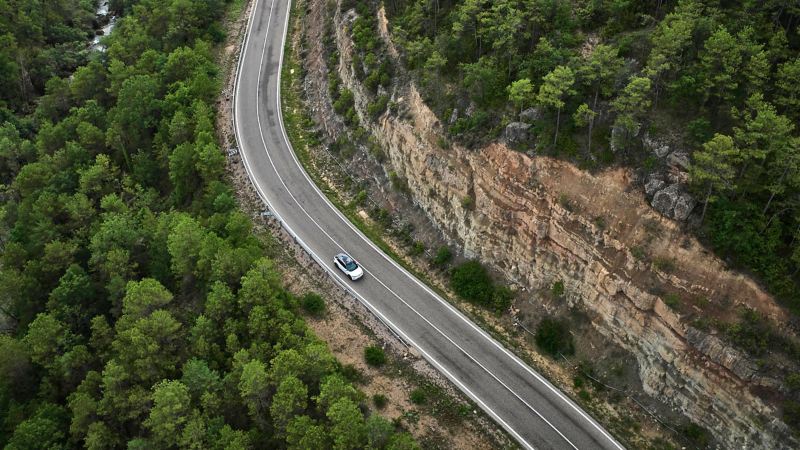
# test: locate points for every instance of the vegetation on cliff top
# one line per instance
(720, 78)
(137, 308)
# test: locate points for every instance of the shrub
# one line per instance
(471, 282)
(443, 256)
(554, 338)
(376, 108)
(672, 300)
(351, 373)
(418, 396)
(467, 202)
(313, 303)
(417, 248)
(558, 289)
(374, 356)
(501, 298)
(696, 434)
(791, 414)
(584, 395)
(380, 401)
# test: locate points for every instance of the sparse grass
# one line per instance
(672, 300)
(638, 253)
(664, 264)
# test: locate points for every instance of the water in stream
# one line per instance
(109, 22)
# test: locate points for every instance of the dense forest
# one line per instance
(719, 78)
(137, 309)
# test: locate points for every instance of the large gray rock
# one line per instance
(665, 199)
(679, 160)
(530, 115)
(654, 184)
(654, 145)
(684, 206)
(516, 132)
(673, 202)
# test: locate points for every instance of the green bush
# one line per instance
(672, 300)
(418, 396)
(502, 298)
(374, 356)
(791, 414)
(697, 435)
(554, 338)
(664, 264)
(380, 401)
(557, 289)
(313, 303)
(417, 248)
(471, 282)
(376, 108)
(443, 256)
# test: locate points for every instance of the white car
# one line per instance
(348, 265)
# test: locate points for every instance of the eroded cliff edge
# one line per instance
(538, 220)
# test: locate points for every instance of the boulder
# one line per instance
(683, 207)
(654, 184)
(516, 132)
(665, 199)
(679, 160)
(673, 202)
(654, 145)
(530, 115)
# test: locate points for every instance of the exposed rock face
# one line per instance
(516, 132)
(530, 115)
(519, 224)
(672, 201)
(655, 146)
(654, 184)
(679, 160)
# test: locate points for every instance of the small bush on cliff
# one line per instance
(553, 337)
(471, 282)
(558, 289)
(443, 256)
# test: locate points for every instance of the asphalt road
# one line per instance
(534, 412)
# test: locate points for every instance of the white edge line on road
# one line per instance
(394, 263)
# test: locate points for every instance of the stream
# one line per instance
(107, 25)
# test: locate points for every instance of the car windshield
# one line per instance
(348, 263)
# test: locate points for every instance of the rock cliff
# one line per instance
(537, 220)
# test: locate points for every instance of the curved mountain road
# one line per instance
(534, 412)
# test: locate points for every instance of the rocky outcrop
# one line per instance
(671, 201)
(516, 132)
(519, 222)
(530, 115)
